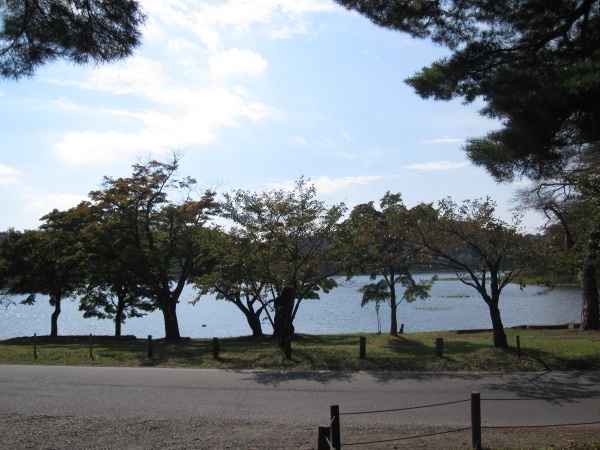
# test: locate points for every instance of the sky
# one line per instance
(255, 94)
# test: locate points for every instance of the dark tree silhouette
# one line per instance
(36, 32)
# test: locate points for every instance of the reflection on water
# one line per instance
(452, 305)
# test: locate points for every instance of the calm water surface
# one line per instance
(452, 305)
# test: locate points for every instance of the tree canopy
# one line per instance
(485, 252)
(169, 239)
(114, 288)
(535, 63)
(380, 240)
(46, 261)
(236, 276)
(575, 210)
(295, 246)
(34, 32)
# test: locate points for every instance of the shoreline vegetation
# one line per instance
(539, 350)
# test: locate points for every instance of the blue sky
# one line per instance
(256, 94)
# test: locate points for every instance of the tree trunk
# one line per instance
(394, 308)
(54, 318)
(493, 301)
(252, 317)
(254, 322)
(119, 316)
(283, 324)
(500, 340)
(117, 328)
(169, 311)
(590, 308)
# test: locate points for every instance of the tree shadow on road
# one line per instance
(276, 378)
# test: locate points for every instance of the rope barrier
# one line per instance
(406, 438)
(403, 409)
(539, 398)
(464, 401)
(540, 426)
(468, 428)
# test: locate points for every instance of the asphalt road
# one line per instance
(290, 397)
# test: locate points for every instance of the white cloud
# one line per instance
(237, 62)
(370, 156)
(437, 165)
(373, 156)
(135, 75)
(44, 203)
(101, 147)
(327, 185)
(301, 142)
(151, 30)
(241, 14)
(322, 144)
(8, 175)
(278, 18)
(444, 140)
(189, 116)
(286, 185)
(64, 105)
(180, 45)
(373, 57)
(523, 183)
(184, 114)
(285, 32)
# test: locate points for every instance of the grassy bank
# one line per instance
(540, 350)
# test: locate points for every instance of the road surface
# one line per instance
(291, 397)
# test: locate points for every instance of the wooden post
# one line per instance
(288, 348)
(476, 420)
(34, 345)
(91, 343)
(439, 347)
(363, 348)
(518, 347)
(216, 348)
(335, 428)
(150, 346)
(324, 437)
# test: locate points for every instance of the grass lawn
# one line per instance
(540, 350)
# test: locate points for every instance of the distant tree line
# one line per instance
(133, 246)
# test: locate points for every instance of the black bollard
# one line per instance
(363, 348)
(439, 347)
(476, 420)
(34, 345)
(216, 348)
(91, 344)
(149, 346)
(324, 437)
(335, 427)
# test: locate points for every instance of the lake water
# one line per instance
(452, 305)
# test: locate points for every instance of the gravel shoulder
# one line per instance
(19, 431)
